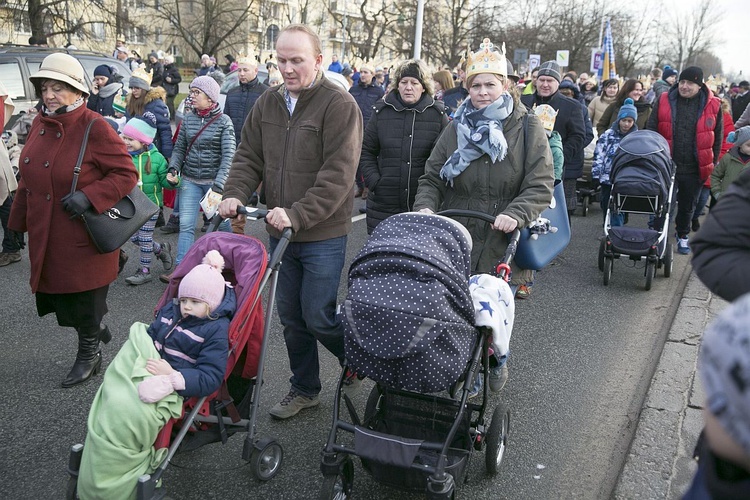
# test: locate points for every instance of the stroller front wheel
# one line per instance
(338, 486)
(266, 459)
(608, 263)
(497, 438)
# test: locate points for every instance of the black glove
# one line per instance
(217, 189)
(76, 203)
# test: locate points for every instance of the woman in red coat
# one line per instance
(69, 277)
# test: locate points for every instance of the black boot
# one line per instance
(172, 225)
(89, 357)
(160, 220)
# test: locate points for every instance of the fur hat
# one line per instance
(627, 110)
(140, 79)
(724, 366)
(550, 68)
(208, 86)
(692, 74)
(204, 282)
(668, 71)
(63, 68)
(140, 130)
(739, 136)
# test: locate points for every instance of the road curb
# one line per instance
(659, 462)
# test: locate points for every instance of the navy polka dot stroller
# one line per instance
(409, 326)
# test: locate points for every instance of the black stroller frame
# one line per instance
(264, 453)
(650, 245)
(440, 432)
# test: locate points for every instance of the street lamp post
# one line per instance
(418, 30)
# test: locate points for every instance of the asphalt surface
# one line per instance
(582, 357)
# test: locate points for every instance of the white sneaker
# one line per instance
(683, 246)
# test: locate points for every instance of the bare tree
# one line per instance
(636, 38)
(365, 28)
(692, 33)
(207, 25)
(48, 18)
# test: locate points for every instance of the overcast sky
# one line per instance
(733, 27)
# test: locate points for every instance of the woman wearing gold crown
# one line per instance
(143, 98)
(488, 160)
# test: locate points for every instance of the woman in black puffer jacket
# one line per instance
(399, 138)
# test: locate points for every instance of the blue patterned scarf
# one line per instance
(479, 132)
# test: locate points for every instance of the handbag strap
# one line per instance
(204, 127)
(79, 162)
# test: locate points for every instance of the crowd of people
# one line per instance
(402, 138)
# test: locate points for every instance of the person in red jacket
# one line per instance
(68, 275)
(689, 117)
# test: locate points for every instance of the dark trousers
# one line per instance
(687, 187)
(11, 239)
(170, 107)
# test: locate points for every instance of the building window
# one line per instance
(272, 33)
(135, 34)
(157, 36)
(97, 31)
(21, 22)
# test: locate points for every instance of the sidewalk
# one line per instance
(659, 464)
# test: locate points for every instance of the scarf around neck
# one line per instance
(63, 109)
(478, 132)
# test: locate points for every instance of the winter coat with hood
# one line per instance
(199, 352)
(606, 147)
(240, 101)
(155, 103)
(102, 101)
(519, 186)
(152, 171)
(721, 249)
(63, 259)
(727, 170)
(571, 124)
(398, 140)
(307, 161)
(210, 156)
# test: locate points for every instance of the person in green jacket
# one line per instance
(733, 163)
(153, 176)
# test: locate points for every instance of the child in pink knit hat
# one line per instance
(191, 335)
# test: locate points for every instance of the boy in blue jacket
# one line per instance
(606, 147)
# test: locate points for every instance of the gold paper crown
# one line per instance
(713, 83)
(486, 60)
(547, 115)
(141, 73)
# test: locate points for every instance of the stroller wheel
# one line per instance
(608, 263)
(71, 492)
(339, 486)
(600, 260)
(266, 459)
(668, 260)
(650, 273)
(586, 202)
(497, 438)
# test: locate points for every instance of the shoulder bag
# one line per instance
(114, 227)
(540, 245)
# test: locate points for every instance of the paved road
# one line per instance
(582, 358)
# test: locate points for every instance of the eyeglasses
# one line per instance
(195, 91)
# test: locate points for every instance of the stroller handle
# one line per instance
(502, 269)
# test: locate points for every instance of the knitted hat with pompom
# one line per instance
(740, 136)
(205, 282)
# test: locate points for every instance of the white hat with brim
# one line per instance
(63, 68)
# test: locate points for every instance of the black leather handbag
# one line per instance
(113, 228)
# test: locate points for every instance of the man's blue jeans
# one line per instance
(190, 199)
(306, 301)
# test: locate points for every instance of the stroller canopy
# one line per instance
(408, 316)
(642, 165)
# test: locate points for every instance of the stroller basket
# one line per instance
(422, 423)
(633, 241)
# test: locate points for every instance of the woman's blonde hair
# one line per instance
(444, 78)
(502, 79)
